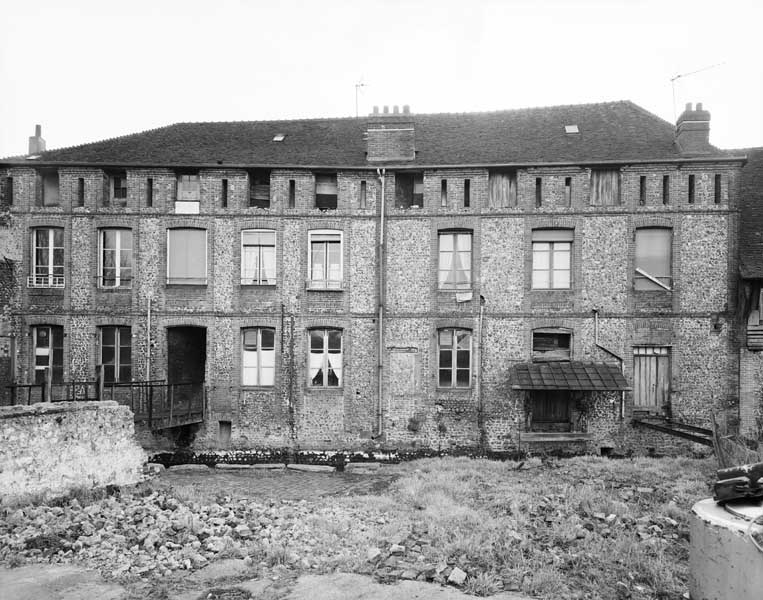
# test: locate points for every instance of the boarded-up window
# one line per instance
(259, 189)
(551, 345)
(605, 187)
(187, 256)
(651, 377)
(326, 192)
(502, 190)
(409, 190)
(654, 258)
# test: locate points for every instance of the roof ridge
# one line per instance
(111, 139)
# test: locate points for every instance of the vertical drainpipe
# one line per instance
(380, 362)
(148, 340)
(480, 408)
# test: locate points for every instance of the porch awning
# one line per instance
(580, 376)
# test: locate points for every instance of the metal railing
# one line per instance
(45, 281)
(159, 404)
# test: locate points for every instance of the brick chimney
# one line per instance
(693, 130)
(390, 135)
(36, 143)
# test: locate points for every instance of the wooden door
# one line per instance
(551, 410)
(651, 377)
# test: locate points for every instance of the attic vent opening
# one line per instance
(279, 137)
(571, 129)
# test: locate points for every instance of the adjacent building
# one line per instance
(526, 278)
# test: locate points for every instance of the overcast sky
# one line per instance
(90, 70)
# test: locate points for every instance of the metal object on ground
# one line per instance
(738, 483)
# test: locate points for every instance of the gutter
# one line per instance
(620, 359)
(381, 173)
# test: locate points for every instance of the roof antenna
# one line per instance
(680, 75)
(358, 85)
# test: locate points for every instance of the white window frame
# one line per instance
(325, 358)
(259, 366)
(453, 368)
(206, 256)
(50, 279)
(118, 363)
(325, 284)
(656, 279)
(48, 351)
(442, 284)
(248, 281)
(119, 281)
(556, 247)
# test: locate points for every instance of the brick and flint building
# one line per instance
(489, 280)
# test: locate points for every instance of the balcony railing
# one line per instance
(46, 281)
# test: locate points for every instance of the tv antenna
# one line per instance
(680, 75)
(358, 85)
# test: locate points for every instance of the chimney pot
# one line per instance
(406, 109)
(36, 143)
(386, 109)
(38, 130)
(376, 110)
(396, 109)
(688, 106)
(699, 106)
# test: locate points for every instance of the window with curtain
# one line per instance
(454, 349)
(325, 364)
(455, 260)
(258, 356)
(552, 264)
(605, 187)
(47, 258)
(48, 344)
(187, 256)
(116, 353)
(326, 191)
(409, 190)
(654, 258)
(115, 258)
(325, 259)
(258, 257)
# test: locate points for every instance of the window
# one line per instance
(502, 189)
(258, 257)
(467, 192)
(187, 256)
(118, 189)
(116, 354)
(224, 193)
(325, 357)
(454, 350)
(551, 345)
(409, 190)
(7, 191)
(48, 190)
(292, 192)
(642, 190)
(552, 250)
(150, 192)
(444, 192)
(259, 189)
(363, 194)
(80, 191)
(188, 188)
(48, 344)
(568, 191)
(717, 189)
(605, 187)
(691, 189)
(653, 259)
(666, 189)
(538, 192)
(258, 356)
(325, 192)
(47, 258)
(455, 260)
(115, 265)
(325, 259)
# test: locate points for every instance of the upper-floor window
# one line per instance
(258, 257)
(552, 252)
(6, 192)
(551, 345)
(118, 189)
(502, 189)
(325, 367)
(188, 187)
(325, 259)
(259, 189)
(654, 259)
(258, 356)
(115, 258)
(48, 345)
(455, 260)
(47, 258)
(187, 256)
(409, 190)
(605, 187)
(454, 362)
(48, 188)
(326, 191)
(116, 353)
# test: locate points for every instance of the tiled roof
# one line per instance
(568, 376)
(751, 223)
(609, 131)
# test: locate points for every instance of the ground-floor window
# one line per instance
(258, 361)
(48, 344)
(116, 353)
(325, 357)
